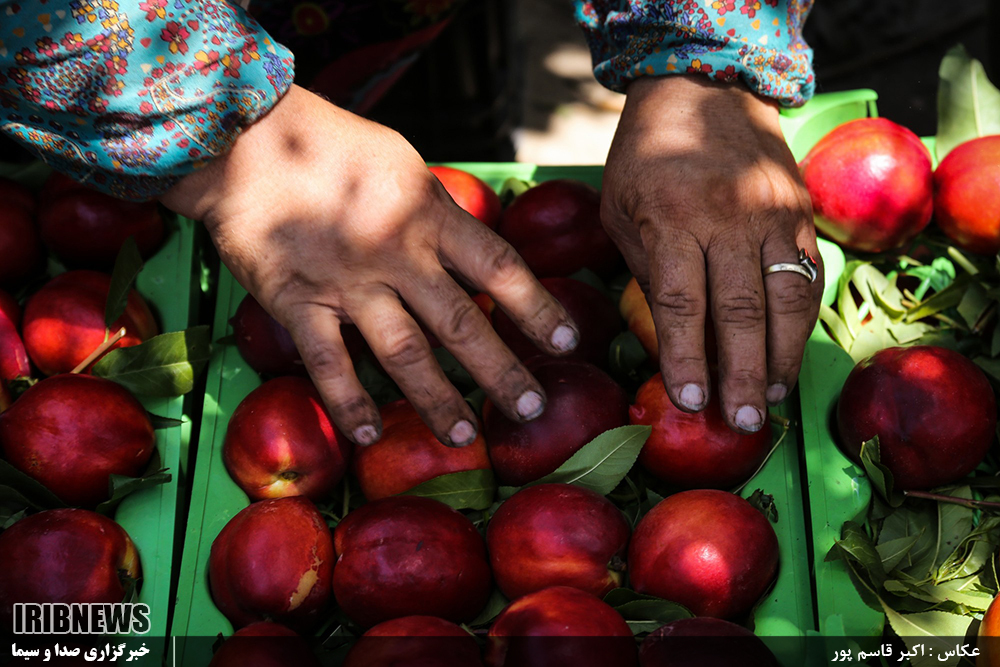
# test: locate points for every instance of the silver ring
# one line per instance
(806, 267)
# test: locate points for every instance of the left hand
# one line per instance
(701, 193)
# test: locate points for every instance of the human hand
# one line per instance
(701, 193)
(327, 218)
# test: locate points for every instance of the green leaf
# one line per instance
(935, 630)
(990, 366)
(960, 591)
(626, 354)
(228, 339)
(973, 553)
(471, 489)
(954, 524)
(11, 519)
(476, 400)
(616, 597)
(968, 104)
(128, 264)
(165, 365)
(165, 422)
(973, 304)
(947, 298)
(856, 546)
(894, 551)
(662, 611)
(919, 521)
(505, 492)
(378, 385)
(16, 486)
(879, 476)
(121, 486)
(837, 327)
(602, 463)
(493, 607)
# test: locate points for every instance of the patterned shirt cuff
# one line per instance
(758, 42)
(130, 96)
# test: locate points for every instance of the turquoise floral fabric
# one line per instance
(758, 42)
(131, 95)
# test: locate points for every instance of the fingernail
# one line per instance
(776, 393)
(366, 435)
(462, 434)
(749, 419)
(565, 338)
(530, 405)
(692, 397)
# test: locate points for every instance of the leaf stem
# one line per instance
(962, 261)
(965, 502)
(101, 349)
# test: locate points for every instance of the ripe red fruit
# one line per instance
(264, 644)
(557, 535)
(268, 347)
(560, 626)
(409, 454)
(72, 432)
(20, 247)
(695, 451)
(871, 185)
(415, 640)
(556, 227)
(13, 194)
(708, 550)
(406, 556)
(13, 357)
(932, 409)
(704, 642)
(967, 195)
(67, 556)
(281, 442)
(263, 343)
(64, 320)
(583, 402)
(471, 193)
(86, 228)
(273, 560)
(595, 315)
(988, 640)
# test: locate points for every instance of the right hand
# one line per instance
(328, 219)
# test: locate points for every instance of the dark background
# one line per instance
(461, 100)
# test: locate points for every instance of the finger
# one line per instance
(402, 348)
(737, 294)
(491, 265)
(316, 332)
(792, 308)
(677, 300)
(463, 329)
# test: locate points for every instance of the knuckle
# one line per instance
(740, 310)
(461, 325)
(504, 265)
(795, 298)
(678, 304)
(405, 350)
(322, 360)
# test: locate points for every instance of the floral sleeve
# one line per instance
(131, 95)
(756, 41)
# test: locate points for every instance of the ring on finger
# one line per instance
(806, 266)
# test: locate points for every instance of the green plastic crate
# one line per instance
(787, 611)
(169, 284)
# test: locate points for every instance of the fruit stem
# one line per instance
(961, 260)
(781, 421)
(101, 349)
(965, 502)
(347, 499)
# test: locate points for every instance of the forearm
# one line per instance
(130, 96)
(758, 42)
